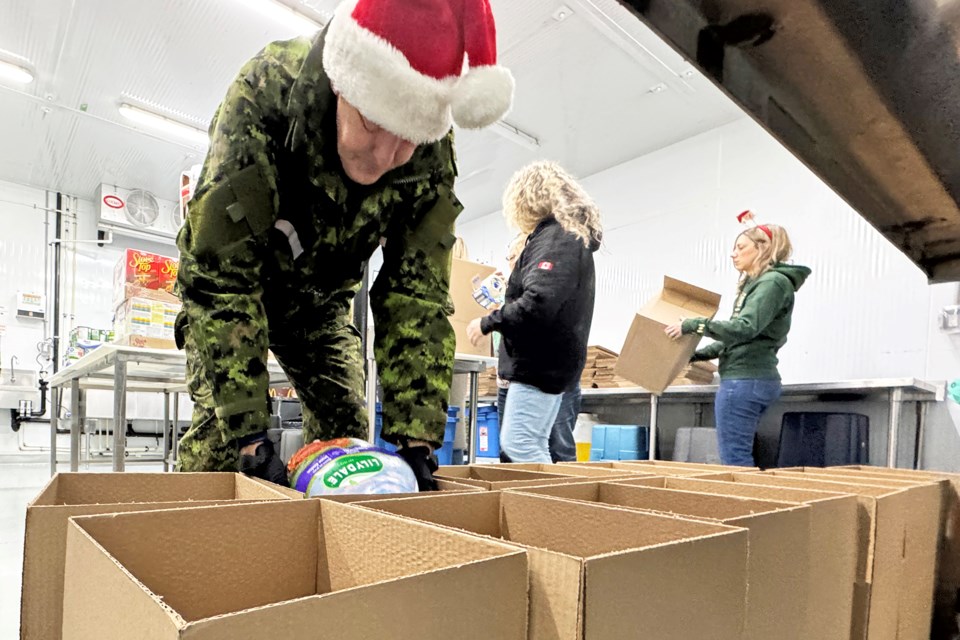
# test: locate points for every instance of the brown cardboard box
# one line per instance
(76, 494)
(655, 467)
(649, 357)
(604, 573)
(890, 558)
(329, 570)
(923, 538)
(833, 546)
(574, 469)
(494, 477)
(777, 569)
(948, 570)
(465, 307)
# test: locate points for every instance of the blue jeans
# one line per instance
(563, 448)
(738, 407)
(527, 421)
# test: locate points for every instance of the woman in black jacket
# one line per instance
(545, 319)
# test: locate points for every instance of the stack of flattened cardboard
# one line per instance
(598, 371)
(487, 384)
(696, 373)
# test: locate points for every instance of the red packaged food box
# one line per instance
(167, 273)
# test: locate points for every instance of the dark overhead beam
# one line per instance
(865, 92)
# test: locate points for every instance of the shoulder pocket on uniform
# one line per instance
(237, 208)
(434, 234)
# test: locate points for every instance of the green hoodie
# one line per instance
(748, 342)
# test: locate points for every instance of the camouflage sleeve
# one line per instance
(222, 244)
(410, 300)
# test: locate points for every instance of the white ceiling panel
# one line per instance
(583, 89)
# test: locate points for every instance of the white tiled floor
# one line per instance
(21, 478)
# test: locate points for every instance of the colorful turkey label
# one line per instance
(352, 469)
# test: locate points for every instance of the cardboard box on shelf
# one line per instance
(605, 573)
(141, 274)
(650, 358)
(890, 562)
(167, 269)
(146, 323)
(777, 569)
(466, 308)
(74, 494)
(832, 561)
(333, 570)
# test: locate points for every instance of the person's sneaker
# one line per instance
(264, 464)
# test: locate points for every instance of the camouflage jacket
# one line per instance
(273, 167)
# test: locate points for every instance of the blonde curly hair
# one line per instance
(543, 190)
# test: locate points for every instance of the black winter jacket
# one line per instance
(545, 320)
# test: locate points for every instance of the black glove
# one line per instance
(265, 464)
(423, 463)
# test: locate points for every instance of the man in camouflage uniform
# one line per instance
(322, 150)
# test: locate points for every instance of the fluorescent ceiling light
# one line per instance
(283, 14)
(15, 73)
(162, 124)
(512, 133)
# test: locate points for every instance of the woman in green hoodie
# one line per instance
(747, 343)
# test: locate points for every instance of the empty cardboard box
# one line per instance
(77, 494)
(603, 573)
(923, 538)
(320, 569)
(833, 546)
(649, 357)
(492, 478)
(948, 566)
(573, 469)
(777, 571)
(889, 561)
(654, 467)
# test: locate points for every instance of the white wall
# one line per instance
(87, 297)
(865, 312)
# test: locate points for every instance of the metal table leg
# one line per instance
(471, 426)
(921, 409)
(75, 422)
(176, 429)
(119, 413)
(896, 405)
(166, 432)
(654, 416)
(54, 411)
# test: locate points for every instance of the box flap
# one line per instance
(687, 503)
(583, 530)
(420, 605)
(192, 564)
(474, 512)
(555, 595)
(691, 589)
(246, 488)
(115, 607)
(115, 488)
(651, 359)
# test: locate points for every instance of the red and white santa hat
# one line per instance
(401, 63)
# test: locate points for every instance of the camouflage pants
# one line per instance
(323, 364)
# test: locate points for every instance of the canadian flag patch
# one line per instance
(545, 265)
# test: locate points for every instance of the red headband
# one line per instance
(748, 215)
